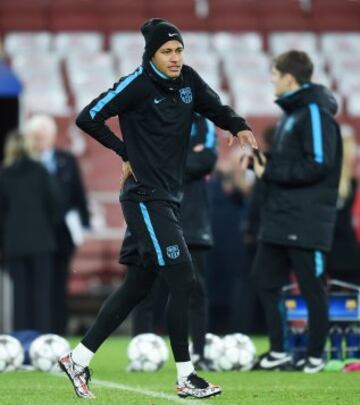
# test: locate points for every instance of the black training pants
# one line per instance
(272, 266)
(157, 249)
(32, 278)
(143, 321)
(137, 285)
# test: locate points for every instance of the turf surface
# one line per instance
(113, 385)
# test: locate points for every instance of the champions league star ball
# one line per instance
(239, 353)
(147, 352)
(213, 350)
(11, 353)
(46, 350)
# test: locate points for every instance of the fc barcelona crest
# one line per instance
(186, 95)
(173, 251)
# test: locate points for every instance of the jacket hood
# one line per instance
(309, 93)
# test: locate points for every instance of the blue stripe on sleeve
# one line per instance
(316, 133)
(210, 136)
(154, 239)
(319, 263)
(113, 93)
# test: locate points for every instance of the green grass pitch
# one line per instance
(113, 385)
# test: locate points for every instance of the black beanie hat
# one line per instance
(156, 32)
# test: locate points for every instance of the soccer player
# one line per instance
(155, 105)
(196, 226)
(297, 225)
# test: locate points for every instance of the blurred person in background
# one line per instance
(344, 258)
(257, 195)
(27, 234)
(297, 224)
(195, 221)
(229, 268)
(10, 91)
(72, 206)
(244, 310)
(155, 106)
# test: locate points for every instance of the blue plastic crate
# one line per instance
(342, 307)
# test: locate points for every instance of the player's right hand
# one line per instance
(246, 139)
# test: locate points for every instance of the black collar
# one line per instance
(167, 84)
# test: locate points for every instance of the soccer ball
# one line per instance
(147, 352)
(213, 350)
(46, 350)
(239, 353)
(11, 353)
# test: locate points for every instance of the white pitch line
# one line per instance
(142, 391)
(150, 393)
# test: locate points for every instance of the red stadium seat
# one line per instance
(182, 13)
(234, 15)
(19, 15)
(283, 15)
(79, 15)
(335, 15)
(122, 15)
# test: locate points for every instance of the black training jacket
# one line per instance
(194, 208)
(155, 116)
(303, 170)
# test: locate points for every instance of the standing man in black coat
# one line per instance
(27, 235)
(297, 224)
(195, 221)
(71, 201)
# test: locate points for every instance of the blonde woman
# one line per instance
(27, 216)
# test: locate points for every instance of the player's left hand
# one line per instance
(246, 138)
(126, 173)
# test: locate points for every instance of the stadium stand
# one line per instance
(88, 75)
(43, 81)
(130, 44)
(66, 52)
(24, 42)
(225, 42)
(78, 43)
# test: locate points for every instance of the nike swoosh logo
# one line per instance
(159, 100)
(172, 35)
(265, 363)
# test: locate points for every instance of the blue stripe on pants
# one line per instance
(319, 263)
(150, 228)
